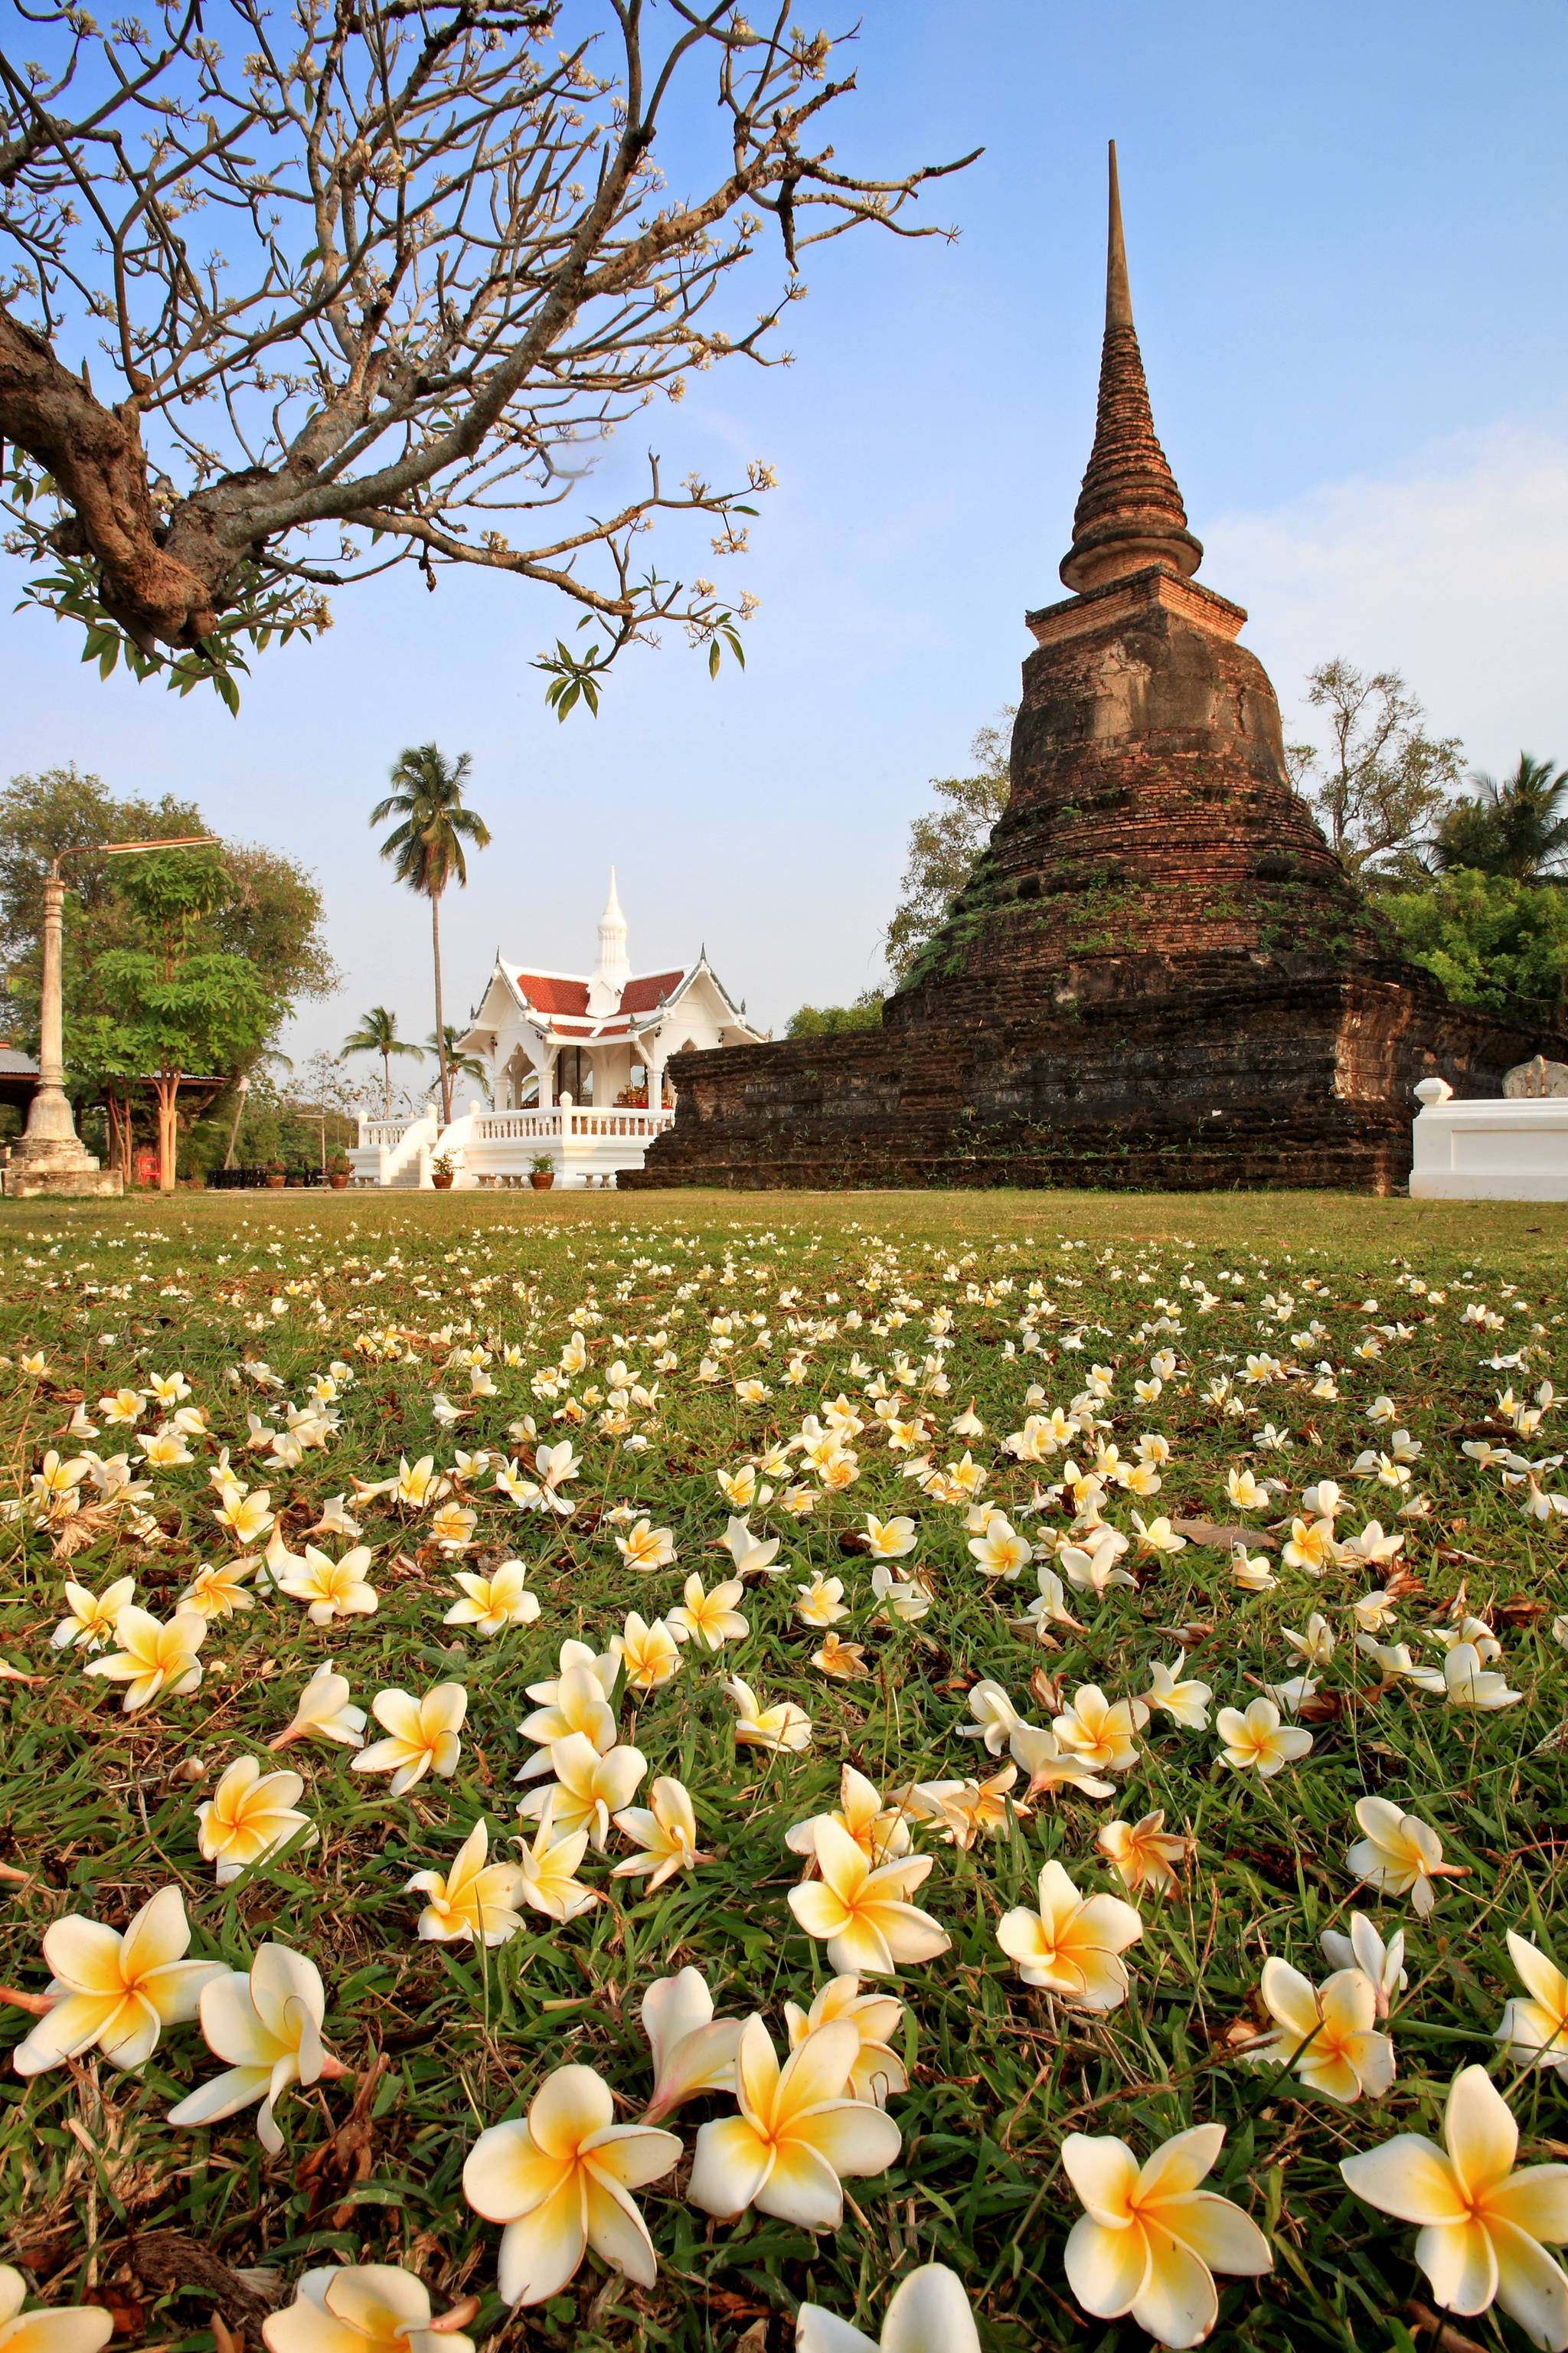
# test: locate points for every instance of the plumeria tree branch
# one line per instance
(376, 286)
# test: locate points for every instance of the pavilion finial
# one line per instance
(1129, 514)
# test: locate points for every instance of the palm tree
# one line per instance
(459, 1065)
(378, 1034)
(1518, 827)
(426, 849)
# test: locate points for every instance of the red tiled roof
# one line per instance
(548, 994)
(642, 993)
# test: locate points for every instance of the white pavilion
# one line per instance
(574, 1067)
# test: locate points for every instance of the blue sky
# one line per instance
(1346, 230)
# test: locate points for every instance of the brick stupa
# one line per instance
(1158, 975)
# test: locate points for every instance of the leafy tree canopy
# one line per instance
(1381, 782)
(1493, 942)
(1517, 827)
(944, 843)
(828, 1021)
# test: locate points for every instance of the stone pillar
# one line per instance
(51, 1157)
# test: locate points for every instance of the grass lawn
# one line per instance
(790, 1362)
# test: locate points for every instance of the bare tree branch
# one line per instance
(390, 271)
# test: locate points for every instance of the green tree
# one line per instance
(459, 1065)
(378, 1034)
(829, 1020)
(426, 848)
(944, 843)
(1380, 785)
(1518, 827)
(1492, 941)
(179, 1006)
(271, 913)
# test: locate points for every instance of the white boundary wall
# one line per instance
(1493, 1150)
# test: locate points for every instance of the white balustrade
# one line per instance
(1490, 1149)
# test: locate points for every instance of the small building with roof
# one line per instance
(575, 1071)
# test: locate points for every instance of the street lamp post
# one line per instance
(51, 1157)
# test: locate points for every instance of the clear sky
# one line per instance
(1346, 227)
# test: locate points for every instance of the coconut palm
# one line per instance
(426, 848)
(458, 1064)
(378, 1034)
(1518, 827)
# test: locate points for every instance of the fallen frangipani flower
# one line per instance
(219, 1591)
(1534, 2031)
(1072, 1945)
(995, 1717)
(645, 1547)
(364, 2308)
(577, 1700)
(1399, 1855)
(1253, 1739)
(879, 1831)
(649, 1654)
(965, 1811)
(1482, 2222)
(92, 1617)
(1049, 1766)
(908, 1598)
(266, 2023)
(753, 1556)
(56, 2329)
(783, 1728)
(1464, 1681)
(1100, 1730)
(710, 1618)
(324, 1714)
(666, 1832)
(1364, 1949)
(1150, 2240)
(422, 1735)
(798, 2134)
(115, 1991)
(329, 1588)
(890, 1539)
(547, 1868)
(1144, 1853)
(491, 1603)
(1327, 2033)
(692, 2051)
(245, 1518)
(560, 2182)
(863, 1911)
(877, 2072)
(928, 2313)
(1180, 1697)
(1001, 1551)
(588, 1788)
(249, 1816)
(1094, 1566)
(155, 1660)
(475, 1900)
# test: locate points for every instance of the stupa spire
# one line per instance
(1130, 513)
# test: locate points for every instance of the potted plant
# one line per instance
(276, 1178)
(442, 1171)
(542, 1173)
(339, 1170)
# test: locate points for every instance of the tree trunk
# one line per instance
(234, 1126)
(168, 1086)
(386, 1080)
(440, 1023)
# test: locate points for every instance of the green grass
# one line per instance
(97, 2191)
